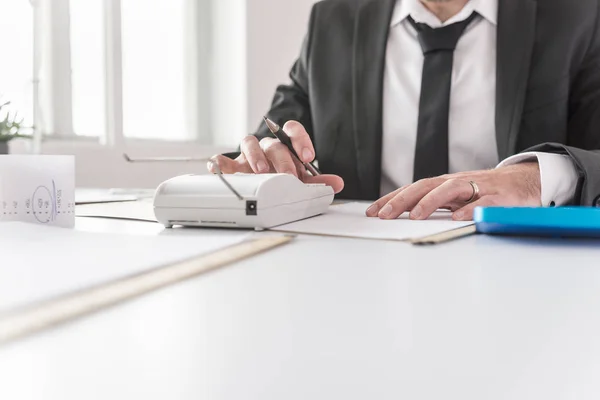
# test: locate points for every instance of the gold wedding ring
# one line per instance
(475, 195)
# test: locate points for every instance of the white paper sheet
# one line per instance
(38, 189)
(97, 196)
(349, 220)
(41, 262)
(141, 210)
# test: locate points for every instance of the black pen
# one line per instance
(285, 139)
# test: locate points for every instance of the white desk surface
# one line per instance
(325, 318)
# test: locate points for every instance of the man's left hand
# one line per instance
(510, 186)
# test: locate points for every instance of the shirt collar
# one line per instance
(488, 9)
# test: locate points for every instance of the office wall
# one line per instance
(271, 34)
(276, 29)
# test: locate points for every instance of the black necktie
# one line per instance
(431, 153)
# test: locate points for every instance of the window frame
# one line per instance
(53, 86)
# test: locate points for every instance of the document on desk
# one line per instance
(350, 220)
(99, 196)
(141, 210)
(40, 262)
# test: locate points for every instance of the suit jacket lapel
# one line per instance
(516, 35)
(371, 33)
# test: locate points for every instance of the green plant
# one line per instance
(10, 126)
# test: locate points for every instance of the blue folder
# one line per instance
(553, 222)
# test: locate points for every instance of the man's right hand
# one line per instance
(271, 156)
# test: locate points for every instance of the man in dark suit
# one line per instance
(401, 98)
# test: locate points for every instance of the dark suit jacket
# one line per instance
(548, 87)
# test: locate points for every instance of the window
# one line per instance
(154, 74)
(113, 70)
(16, 70)
(88, 72)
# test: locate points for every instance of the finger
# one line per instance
(229, 166)
(254, 154)
(408, 198)
(279, 156)
(466, 212)
(336, 182)
(303, 173)
(300, 140)
(454, 206)
(453, 190)
(374, 209)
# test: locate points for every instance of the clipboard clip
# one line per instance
(226, 183)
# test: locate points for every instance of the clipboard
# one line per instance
(581, 222)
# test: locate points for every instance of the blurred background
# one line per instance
(99, 78)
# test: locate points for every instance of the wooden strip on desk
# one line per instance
(54, 312)
(446, 236)
(438, 238)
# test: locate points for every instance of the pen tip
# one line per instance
(273, 127)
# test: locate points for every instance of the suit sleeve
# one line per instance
(583, 144)
(291, 101)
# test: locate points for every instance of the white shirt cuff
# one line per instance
(558, 175)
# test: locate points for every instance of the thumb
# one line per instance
(336, 182)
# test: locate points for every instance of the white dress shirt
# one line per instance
(471, 126)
